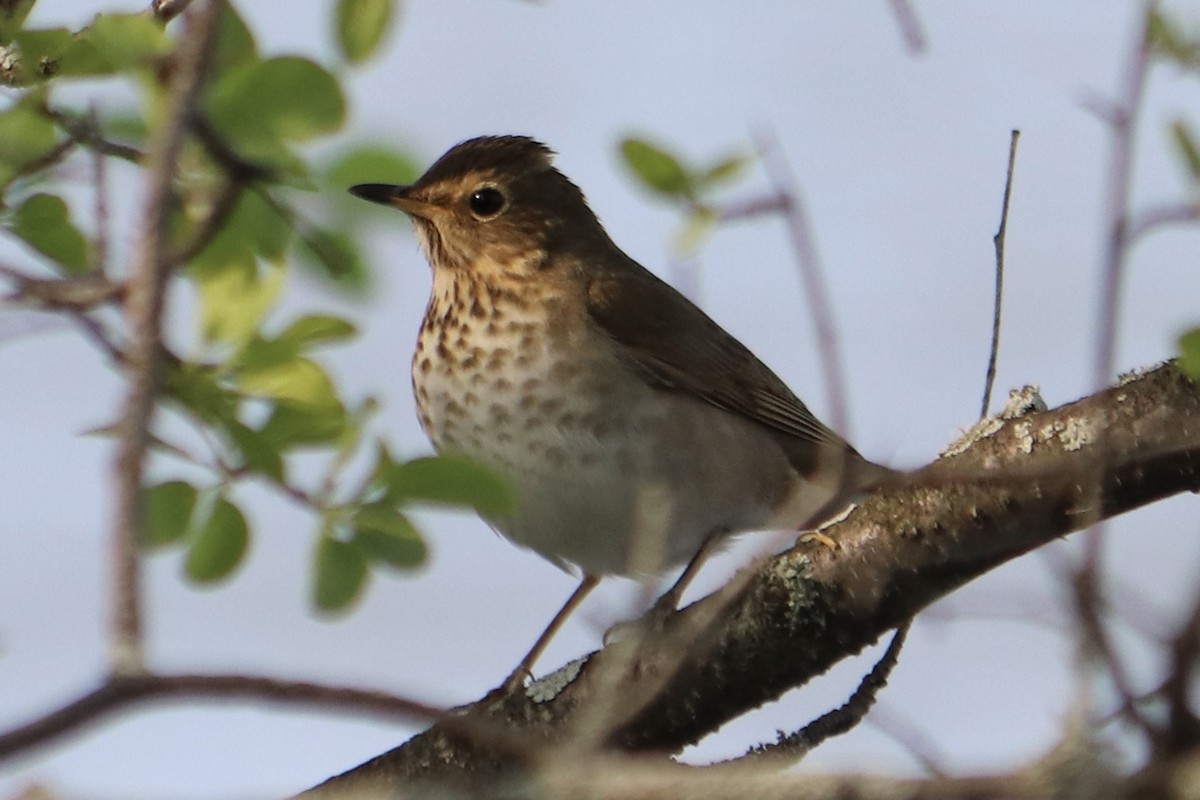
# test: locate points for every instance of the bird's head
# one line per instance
(494, 203)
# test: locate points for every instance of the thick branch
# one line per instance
(1025, 483)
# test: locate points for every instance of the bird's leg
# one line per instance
(525, 668)
(669, 600)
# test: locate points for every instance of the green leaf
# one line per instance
(124, 126)
(723, 171)
(260, 352)
(294, 425)
(341, 573)
(235, 42)
(394, 551)
(657, 169)
(219, 544)
(116, 43)
(303, 334)
(25, 136)
(44, 222)
(371, 164)
(196, 387)
(1189, 354)
(1167, 38)
(285, 98)
(333, 256)
(40, 52)
(315, 329)
(298, 381)
(255, 227)
(258, 453)
(167, 509)
(12, 17)
(385, 535)
(362, 26)
(453, 481)
(697, 227)
(235, 297)
(1185, 143)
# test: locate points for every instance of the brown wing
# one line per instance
(678, 346)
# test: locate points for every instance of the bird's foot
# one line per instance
(651, 621)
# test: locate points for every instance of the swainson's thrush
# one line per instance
(634, 428)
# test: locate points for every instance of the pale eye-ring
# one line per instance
(486, 202)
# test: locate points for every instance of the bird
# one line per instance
(637, 433)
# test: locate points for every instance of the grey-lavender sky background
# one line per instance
(901, 161)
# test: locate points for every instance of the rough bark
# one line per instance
(1013, 486)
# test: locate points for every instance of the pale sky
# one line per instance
(901, 161)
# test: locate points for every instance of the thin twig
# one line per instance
(143, 309)
(120, 692)
(998, 241)
(15, 275)
(53, 156)
(755, 207)
(95, 331)
(86, 131)
(1089, 611)
(910, 26)
(795, 746)
(1123, 120)
(1124, 123)
(1183, 725)
(915, 742)
(100, 206)
(811, 276)
(238, 168)
(218, 212)
(1152, 219)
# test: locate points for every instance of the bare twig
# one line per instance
(218, 213)
(910, 26)
(1152, 219)
(52, 156)
(795, 746)
(86, 131)
(1183, 727)
(755, 207)
(100, 207)
(1123, 119)
(74, 296)
(238, 168)
(143, 310)
(809, 266)
(122, 691)
(998, 241)
(59, 294)
(100, 337)
(1089, 611)
(915, 741)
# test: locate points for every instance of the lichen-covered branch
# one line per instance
(1018, 484)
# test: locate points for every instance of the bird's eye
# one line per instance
(486, 202)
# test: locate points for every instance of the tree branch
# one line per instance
(1020, 484)
(122, 691)
(143, 310)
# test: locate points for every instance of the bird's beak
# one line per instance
(397, 196)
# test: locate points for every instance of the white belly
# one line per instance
(611, 475)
